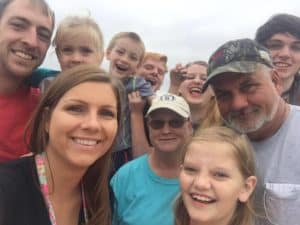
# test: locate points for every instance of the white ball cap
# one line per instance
(172, 102)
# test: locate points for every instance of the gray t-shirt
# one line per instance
(278, 169)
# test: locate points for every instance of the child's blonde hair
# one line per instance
(244, 213)
(131, 35)
(72, 26)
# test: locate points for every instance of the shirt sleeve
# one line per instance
(141, 85)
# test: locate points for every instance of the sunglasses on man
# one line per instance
(174, 123)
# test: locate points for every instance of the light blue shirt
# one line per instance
(142, 197)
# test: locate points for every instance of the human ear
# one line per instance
(101, 56)
(57, 51)
(190, 127)
(248, 188)
(278, 83)
(107, 54)
(46, 119)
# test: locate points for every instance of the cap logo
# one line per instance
(217, 55)
(167, 98)
(230, 51)
(264, 55)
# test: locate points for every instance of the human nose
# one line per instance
(202, 181)
(198, 80)
(239, 101)
(31, 38)
(285, 51)
(76, 58)
(124, 58)
(155, 72)
(91, 122)
(166, 127)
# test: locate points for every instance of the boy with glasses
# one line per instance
(146, 187)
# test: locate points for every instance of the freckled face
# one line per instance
(153, 71)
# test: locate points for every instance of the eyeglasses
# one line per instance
(158, 124)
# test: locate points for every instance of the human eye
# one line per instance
(189, 169)
(189, 76)
(220, 175)
(156, 124)
(18, 24)
(75, 109)
(296, 47)
(67, 50)
(160, 72)
(203, 77)
(44, 35)
(177, 123)
(133, 57)
(119, 51)
(274, 45)
(249, 87)
(108, 113)
(148, 67)
(86, 50)
(222, 96)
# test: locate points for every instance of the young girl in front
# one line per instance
(125, 53)
(217, 179)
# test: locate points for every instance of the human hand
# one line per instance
(176, 78)
(177, 74)
(136, 102)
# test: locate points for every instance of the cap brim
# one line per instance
(173, 108)
(233, 67)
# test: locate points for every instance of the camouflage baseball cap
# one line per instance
(237, 56)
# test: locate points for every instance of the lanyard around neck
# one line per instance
(41, 171)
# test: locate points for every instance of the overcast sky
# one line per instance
(184, 30)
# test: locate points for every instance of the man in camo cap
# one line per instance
(247, 91)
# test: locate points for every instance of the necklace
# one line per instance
(41, 171)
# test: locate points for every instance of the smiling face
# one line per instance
(81, 49)
(125, 57)
(191, 87)
(247, 102)
(285, 52)
(153, 70)
(168, 138)
(25, 33)
(212, 184)
(83, 125)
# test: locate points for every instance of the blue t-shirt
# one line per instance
(142, 197)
